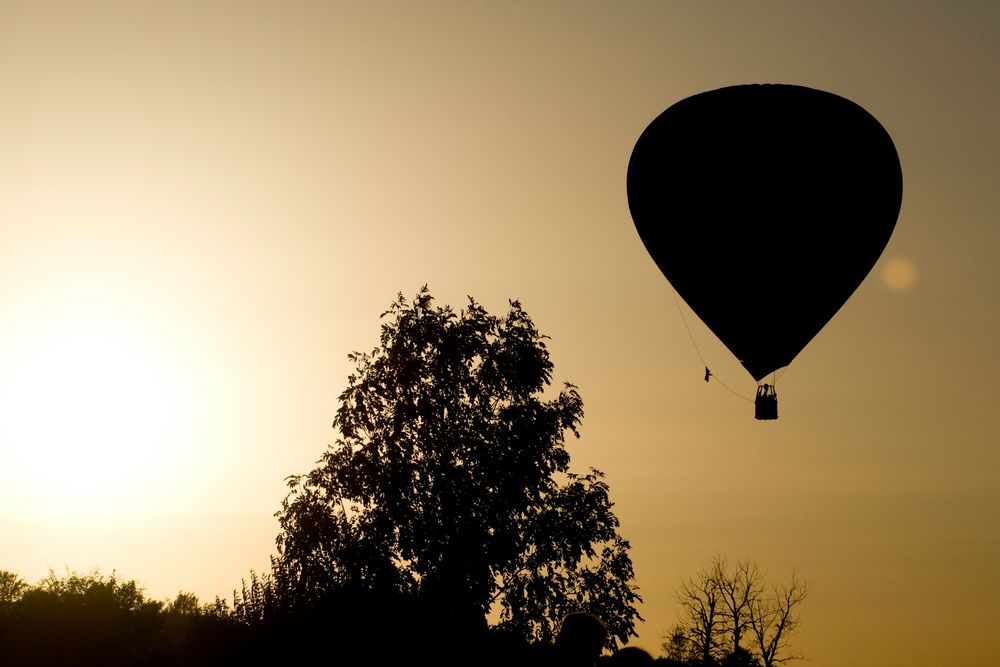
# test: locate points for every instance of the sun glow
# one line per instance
(89, 412)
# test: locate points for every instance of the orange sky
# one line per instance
(204, 207)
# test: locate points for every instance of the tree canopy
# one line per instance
(450, 483)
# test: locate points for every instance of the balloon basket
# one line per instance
(765, 406)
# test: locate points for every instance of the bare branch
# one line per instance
(774, 619)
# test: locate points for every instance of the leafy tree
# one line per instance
(185, 604)
(96, 591)
(11, 587)
(450, 483)
(80, 619)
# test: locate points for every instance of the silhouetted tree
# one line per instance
(262, 598)
(739, 589)
(774, 618)
(678, 647)
(739, 657)
(702, 616)
(11, 587)
(728, 618)
(450, 483)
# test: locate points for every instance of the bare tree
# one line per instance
(774, 618)
(739, 590)
(726, 607)
(703, 617)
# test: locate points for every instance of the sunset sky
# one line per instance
(205, 206)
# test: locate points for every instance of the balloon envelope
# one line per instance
(765, 206)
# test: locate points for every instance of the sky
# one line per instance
(205, 206)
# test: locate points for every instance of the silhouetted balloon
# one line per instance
(765, 206)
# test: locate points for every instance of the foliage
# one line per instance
(94, 591)
(96, 619)
(11, 587)
(450, 484)
(739, 657)
(91, 619)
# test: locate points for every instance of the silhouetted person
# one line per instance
(631, 656)
(581, 639)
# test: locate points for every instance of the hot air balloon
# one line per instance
(765, 206)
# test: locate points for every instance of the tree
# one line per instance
(11, 587)
(450, 483)
(677, 646)
(702, 616)
(84, 619)
(774, 618)
(729, 618)
(739, 589)
(81, 619)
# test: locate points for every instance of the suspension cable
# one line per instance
(708, 373)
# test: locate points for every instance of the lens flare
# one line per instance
(899, 274)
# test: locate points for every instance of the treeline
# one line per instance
(93, 619)
(730, 618)
(97, 619)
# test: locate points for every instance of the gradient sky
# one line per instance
(205, 206)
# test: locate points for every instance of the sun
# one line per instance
(89, 409)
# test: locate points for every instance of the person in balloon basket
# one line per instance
(766, 403)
